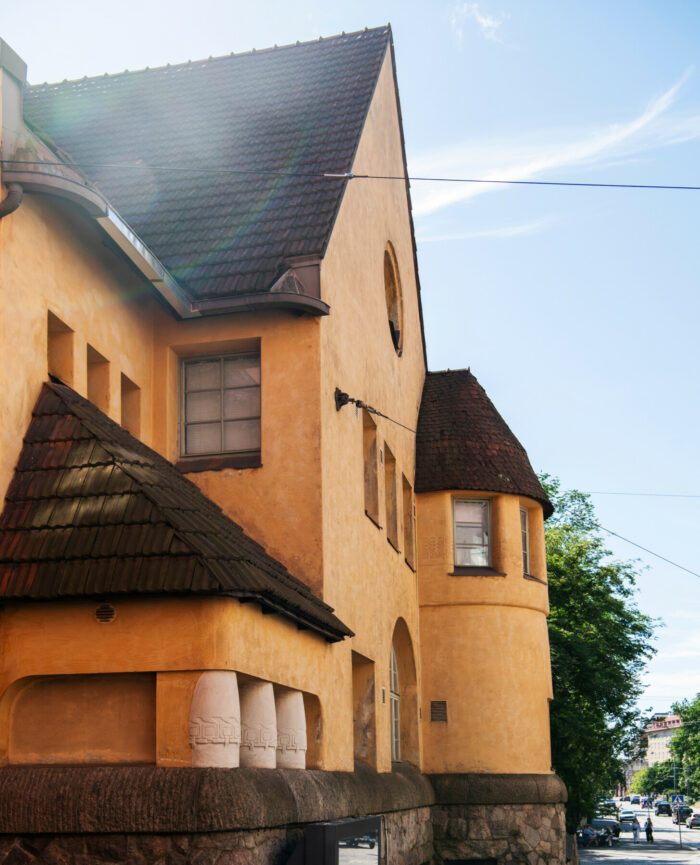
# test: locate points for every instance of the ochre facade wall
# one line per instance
(365, 578)
(173, 638)
(484, 643)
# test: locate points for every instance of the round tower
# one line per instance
(482, 576)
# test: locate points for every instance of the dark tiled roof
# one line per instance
(300, 109)
(92, 512)
(464, 444)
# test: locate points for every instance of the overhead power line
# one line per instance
(346, 175)
(651, 552)
(655, 495)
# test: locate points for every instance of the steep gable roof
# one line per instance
(92, 512)
(463, 443)
(215, 164)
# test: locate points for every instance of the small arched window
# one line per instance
(395, 707)
(394, 304)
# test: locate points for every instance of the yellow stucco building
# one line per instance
(258, 568)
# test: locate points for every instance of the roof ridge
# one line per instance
(188, 64)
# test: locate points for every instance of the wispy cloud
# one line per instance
(538, 153)
(489, 25)
(504, 231)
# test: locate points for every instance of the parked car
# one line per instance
(663, 808)
(626, 819)
(681, 813)
(693, 822)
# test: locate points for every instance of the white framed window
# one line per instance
(220, 405)
(395, 707)
(472, 532)
(525, 536)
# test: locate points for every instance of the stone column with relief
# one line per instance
(291, 729)
(215, 720)
(258, 725)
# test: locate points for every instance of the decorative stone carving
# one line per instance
(215, 720)
(258, 725)
(291, 729)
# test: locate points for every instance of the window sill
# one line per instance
(216, 463)
(469, 571)
(534, 579)
(371, 519)
(393, 545)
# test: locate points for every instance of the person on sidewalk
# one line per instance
(649, 829)
(635, 830)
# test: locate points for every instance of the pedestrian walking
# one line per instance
(635, 830)
(649, 829)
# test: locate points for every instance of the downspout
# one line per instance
(12, 200)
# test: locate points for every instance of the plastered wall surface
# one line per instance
(365, 578)
(484, 643)
(53, 259)
(175, 638)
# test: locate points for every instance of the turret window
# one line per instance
(525, 535)
(472, 532)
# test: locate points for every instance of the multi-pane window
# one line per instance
(471, 533)
(221, 405)
(395, 707)
(525, 535)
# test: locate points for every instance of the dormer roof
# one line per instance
(463, 443)
(93, 512)
(218, 165)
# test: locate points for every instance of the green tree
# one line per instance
(599, 640)
(685, 747)
(657, 778)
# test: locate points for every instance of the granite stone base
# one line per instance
(147, 816)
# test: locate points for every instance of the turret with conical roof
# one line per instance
(482, 586)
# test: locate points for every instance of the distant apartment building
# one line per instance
(659, 733)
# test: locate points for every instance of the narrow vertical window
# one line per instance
(59, 349)
(409, 516)
(97, 379)
(392, 517)
(221, 405)
(525, 535)
(131, 406)
(471, 533)
(395, 707)
(369, 446)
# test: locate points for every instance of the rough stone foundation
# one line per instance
(151, 816)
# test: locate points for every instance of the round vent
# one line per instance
(105, 613)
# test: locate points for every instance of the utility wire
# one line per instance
(651, 552)
(655, 495)
(347, 175)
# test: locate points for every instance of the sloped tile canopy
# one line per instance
(463, 443)
(93, 512)
(215, 164)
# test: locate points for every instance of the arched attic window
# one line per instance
(394, 301)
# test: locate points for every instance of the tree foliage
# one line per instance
(685, 746)
(654, 779)
(599, 643)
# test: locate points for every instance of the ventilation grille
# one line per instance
(105, 613)
(438, 710)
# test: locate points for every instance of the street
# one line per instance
(664, 851)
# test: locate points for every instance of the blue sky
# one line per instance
(576, 308)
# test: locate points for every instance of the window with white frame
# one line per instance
(472, 533)
(220, 411)
(395, 707)
(525, 535)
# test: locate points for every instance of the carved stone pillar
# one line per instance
(215, 720)
(258, 725)
(291, 729)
